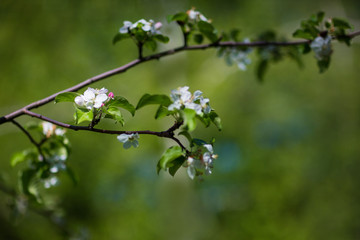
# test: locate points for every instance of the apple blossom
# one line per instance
(92, 98)
(322, 47)
(129, 140)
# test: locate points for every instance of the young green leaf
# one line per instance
(26, 178)
(32, 126)
(170, 155)
(17, 158)
(120, 36)
(161, 38)
(176, 164)
(261, 69)
(114, 113)
(181, 17)
(150, 44)
(189, 116)
(323, 65)
(81, 116)
(198, 38)
(208, 30)
(148, 99)
(72, 175)
(340, 23)
(302, 34)
(204, 119)
(198, 142)
(66, 97)
(187, 135)
(162, 112)
(216, 120)
(122, 103)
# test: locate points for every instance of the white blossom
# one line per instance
(92, 98)
(201, 161)
(129, 140)
(322, 47)
(147, 26)
(52, 181)
(182, 98)
(196, 16)
(50, 129)
(125, 28)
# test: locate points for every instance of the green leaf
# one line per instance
(71, 175)
(66, 97)
(208, 30)
(205, 27)
(187, 135)
(120, 36)
(26, 178)
(198, 38)
(234, 34)
(261, 70)
(122, 103)
(302, 34)
(176, 164)
(341, 23)
(150, 44)
(198, 142)
(18, 158)
(170, 155)
(181, 17)
(81, 116)
(162, 112)
(343, 38)
(320, 16)
(189, 116)
(114, 113)
(323, 65)
(215, 120)
(32, 126)
(148, 99)
(161, 38)
(304, 48)
(204, 119)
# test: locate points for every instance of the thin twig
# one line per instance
(133, 63)
(32, 140)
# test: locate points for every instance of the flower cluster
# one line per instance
(182, 98)
(322, 47)
(196, 16)
(200, 161)
(129, 140)
(57, 155)
(50, 129)
(92, 98)
(147, 26)
(236, 55)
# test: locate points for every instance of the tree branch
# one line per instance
(133, 63)
(32, 140)
(165, 134)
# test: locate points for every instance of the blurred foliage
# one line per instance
(288, 153)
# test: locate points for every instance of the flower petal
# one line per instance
(123, 138)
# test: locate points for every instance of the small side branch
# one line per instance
(165, 134)
(32, 140)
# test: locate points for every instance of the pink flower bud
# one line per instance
(158, 25)
(111, 95)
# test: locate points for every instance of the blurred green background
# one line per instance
(289, 152)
